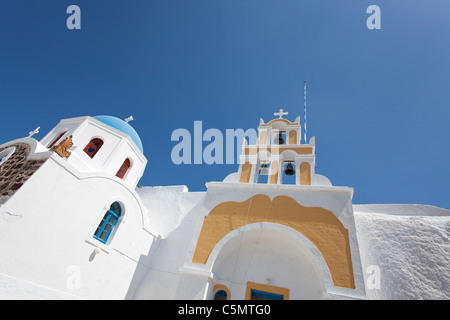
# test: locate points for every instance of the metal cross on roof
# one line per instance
(32, 133)
(281, 113)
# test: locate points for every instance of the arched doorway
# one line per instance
(271, 258)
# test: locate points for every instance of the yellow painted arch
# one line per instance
(317, 224)
(278, 120)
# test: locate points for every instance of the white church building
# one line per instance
(74, 224)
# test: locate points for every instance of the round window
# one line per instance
(6, 154)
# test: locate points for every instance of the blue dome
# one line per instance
(123, 126)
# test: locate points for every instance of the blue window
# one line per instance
(108, 222)
(220, 295)
(262, 295)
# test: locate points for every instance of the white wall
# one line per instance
(46, 232)
(174, 214)
(405, 251)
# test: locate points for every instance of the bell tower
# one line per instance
(276, 202)
(280, 156)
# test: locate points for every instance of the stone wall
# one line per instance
(16, 170)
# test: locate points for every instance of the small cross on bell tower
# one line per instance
(281, 113)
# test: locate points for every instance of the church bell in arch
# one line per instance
(289, 171)
(279, 139)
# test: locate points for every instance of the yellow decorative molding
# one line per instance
(278, 120)
(274, 172)
(245, 173)
(276, 150)
(293, 137)
(305, 174)
(263, 137)
(219, 287)
(266, 288)
(318, 225)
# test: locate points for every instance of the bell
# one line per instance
(280, 139)
(289, 169)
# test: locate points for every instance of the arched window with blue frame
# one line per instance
(221, 295)
(108, 222)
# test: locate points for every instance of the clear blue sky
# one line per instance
(378, 100)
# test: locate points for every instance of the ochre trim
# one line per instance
(305, 174)
(293, 137)
(245, 173)
(263, 137)
(218, 287)
(278, 120)
(266, 288)
(276, 150)
(318, 225)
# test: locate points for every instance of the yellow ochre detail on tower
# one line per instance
(318, 225)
